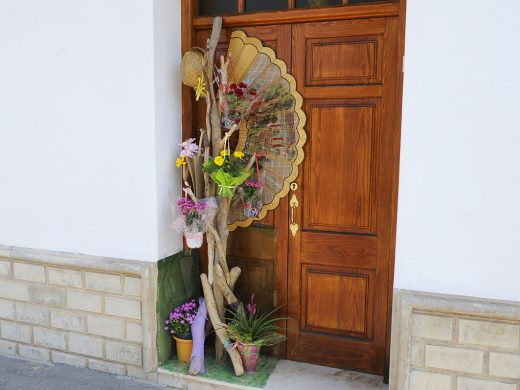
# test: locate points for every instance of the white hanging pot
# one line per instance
(194, 240)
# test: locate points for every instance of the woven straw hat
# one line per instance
(191, 66)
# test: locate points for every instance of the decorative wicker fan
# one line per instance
(274, 127)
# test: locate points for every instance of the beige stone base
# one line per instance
(454, 343)
(80, 310)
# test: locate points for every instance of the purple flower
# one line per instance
(189, 148)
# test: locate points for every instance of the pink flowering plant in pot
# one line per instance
(178, 325)
(251, 330)
(194, 219)
(180, 319)
(251, 194)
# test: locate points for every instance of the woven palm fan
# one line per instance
(272, 128)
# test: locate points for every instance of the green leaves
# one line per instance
(247, 328)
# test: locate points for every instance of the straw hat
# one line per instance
(191, 66)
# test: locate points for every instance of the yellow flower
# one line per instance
(180, 161)
(224, 153)
(238, 154)
(200, 90)
(219, 161)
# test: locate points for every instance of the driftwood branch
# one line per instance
(220, 280)
(228, 135)
(219, 326)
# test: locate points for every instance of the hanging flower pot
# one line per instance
(194, 240)
(251, 194)
(252, 208)
(249, 354)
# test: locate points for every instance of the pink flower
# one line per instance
(251, 307)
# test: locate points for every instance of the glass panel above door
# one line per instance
(317, 3)
(212, 7)
(367, 1)
(265, 5)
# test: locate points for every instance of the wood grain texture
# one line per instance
(347, 194)
(360, 60)
(335, 302)
(340, 202)
(358, 251)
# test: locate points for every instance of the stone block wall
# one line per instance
(78, 310)
(454, 343)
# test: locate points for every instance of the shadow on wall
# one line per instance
(177, 282)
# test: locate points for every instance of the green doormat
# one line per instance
(223, 371)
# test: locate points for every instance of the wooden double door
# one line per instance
(334, 276)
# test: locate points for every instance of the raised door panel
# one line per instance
(336, 301)
(340, 166)
(343, 61)
(344, 56)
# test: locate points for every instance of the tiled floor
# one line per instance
(290, 375)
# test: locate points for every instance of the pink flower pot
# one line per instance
(249, 354)
(194, 240)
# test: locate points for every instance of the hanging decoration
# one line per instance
(252, 104)
(261, 98)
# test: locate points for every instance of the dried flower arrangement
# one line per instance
(213, 172)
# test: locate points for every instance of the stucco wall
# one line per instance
(88, 123)
(458, 221)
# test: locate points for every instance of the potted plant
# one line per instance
(179, 325)
(251, 330)
(251, 193)
(194, 219)
(228, 171)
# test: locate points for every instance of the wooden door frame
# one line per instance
(191, 22)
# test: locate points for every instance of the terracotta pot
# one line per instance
(194, 240)
(249, 354)
(184, 348)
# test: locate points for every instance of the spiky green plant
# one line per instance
(247, 326)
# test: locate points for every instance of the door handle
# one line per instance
(293, 204)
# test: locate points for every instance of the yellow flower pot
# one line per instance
(184, 348)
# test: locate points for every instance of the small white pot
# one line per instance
(194, 240)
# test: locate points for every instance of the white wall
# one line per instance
(168, 110)
(82, 126)
(459, 197)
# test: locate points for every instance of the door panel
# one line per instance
(342, 139)
(339, 258)
(335, 301)
(360, 60)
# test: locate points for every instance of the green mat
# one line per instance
(178, 281)
(223, 371)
